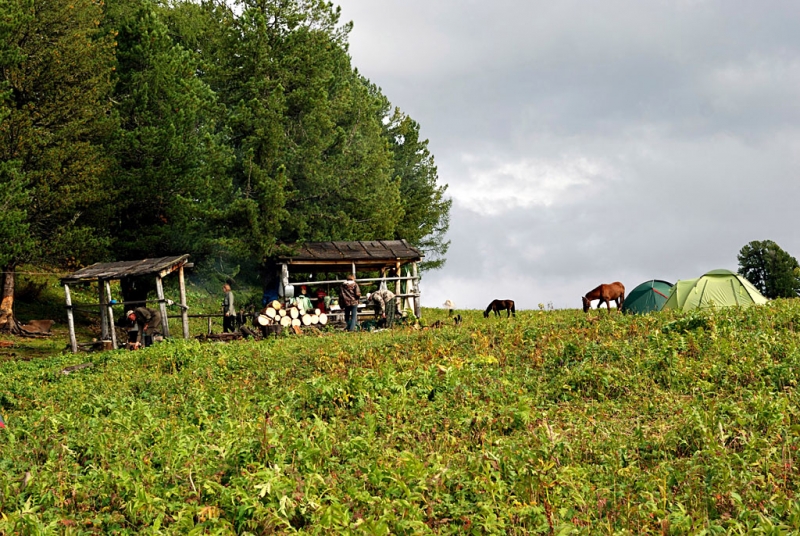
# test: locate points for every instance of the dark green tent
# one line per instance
(647, 297)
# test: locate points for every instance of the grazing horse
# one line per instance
(605, 293)
(500, 305)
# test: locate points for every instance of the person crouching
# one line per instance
(385, 307)
(148, 322)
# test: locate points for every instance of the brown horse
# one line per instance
(605, 293)
(501, 305)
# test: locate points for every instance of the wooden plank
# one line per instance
(120, 269)
(101, 291)
(70, 321)
(163, 307)
(184, 308)
(111, 316)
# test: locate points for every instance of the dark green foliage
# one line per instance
(140, 128)
(55, 83)
(774, 272)
(311, 163)
(425, 209)
(13, 214)
(170, 176)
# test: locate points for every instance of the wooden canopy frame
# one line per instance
(353, 257)
(105, 272)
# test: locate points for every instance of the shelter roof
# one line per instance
(118, 270)
(373, 253)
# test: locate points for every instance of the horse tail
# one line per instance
(513, 308)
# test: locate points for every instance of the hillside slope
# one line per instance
(553, 422)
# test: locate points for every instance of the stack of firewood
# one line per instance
(294, 316)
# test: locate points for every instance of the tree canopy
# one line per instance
(774, 272)
(136, 128)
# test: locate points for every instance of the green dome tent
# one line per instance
(717, 288)
(647, 297)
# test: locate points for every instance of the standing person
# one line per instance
(228, 310)
(349, 293)
(148, 322)
(385, 306)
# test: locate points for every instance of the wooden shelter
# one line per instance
(105, 272)
(353, 257)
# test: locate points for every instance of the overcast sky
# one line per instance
(589, 142)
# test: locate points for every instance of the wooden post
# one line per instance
(184, 309)
(103, 311)
(418, 298)
(70, 321)
(397, 283)
(111, 316)
(209, 325)
(162, 306)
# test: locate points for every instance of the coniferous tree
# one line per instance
(56, 72)
(311, 163)
(170, 171)
(426, 211)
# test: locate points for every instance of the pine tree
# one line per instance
(56, 75)
(426, 211)
(311, 163)
(171, 167)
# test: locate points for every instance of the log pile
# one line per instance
(289, 317)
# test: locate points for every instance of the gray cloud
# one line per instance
(590, 142)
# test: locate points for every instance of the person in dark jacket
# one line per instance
(349, 293)
(228, 310)
(148, 321)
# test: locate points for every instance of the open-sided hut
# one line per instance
(383, 256)
(105, 272)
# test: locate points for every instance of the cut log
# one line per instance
(323, 319)
(73, 368)
(306, 319)
(296, 322)
(294, 313)
(315, 318)
(276, 305)
(317, 312)
(282, 313)
(263, 320)
(270, 312)
(286, 321)
(38, 326)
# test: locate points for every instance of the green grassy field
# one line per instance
(551, 423)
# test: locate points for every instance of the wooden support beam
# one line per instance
(397, 283)
(417, 300)
(110, 315)
(70, 321)
(184, 307)
(101, 290)
(162, 307)
(360, 280)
